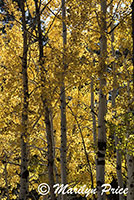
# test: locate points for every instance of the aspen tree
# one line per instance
(132, 6)
(118, 154)
(102, 102)
(93, 115)
(63, 103)
(24, 179)
(53, 142)
(45, 106)
(130, 163)
(130, 158)
(6, 177)
(94, 121)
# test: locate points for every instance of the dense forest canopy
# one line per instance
(66, 98)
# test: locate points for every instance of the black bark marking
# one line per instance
(102, 146)
(118, 167)
(99, 183)
(101, 155)
(25, 174)
(100, 162)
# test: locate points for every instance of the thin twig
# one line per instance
(85, 150)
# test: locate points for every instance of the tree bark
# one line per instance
(24, 179)
(132, 6)
(130, 177)
(53, 142)
(130, 158)
(93, 116)
(118, 154)
(102, 104)
(46, 109)
(50, 152)
(94, 123)
(6, 177)
(63, 148)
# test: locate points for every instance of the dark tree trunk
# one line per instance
(63, 104)
(132, 6)
(24, 179)
(45, 106)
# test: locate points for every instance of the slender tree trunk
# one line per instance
(53, 142)
(6, 177)
(130, 158)
(118, 154)
(24, 179)
(46, 109)
(93, 116)
(95, 137)
(102, 104)
(63, 105)
(94, 122)
(132, 6)
(130, 176)
(63, 136)
(50, 152)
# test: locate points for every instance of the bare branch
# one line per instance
(36, 121)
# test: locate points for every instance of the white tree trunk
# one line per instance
(130, 158)
(119, 167)
(102, 104)
(118, 154)
(130, 177)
